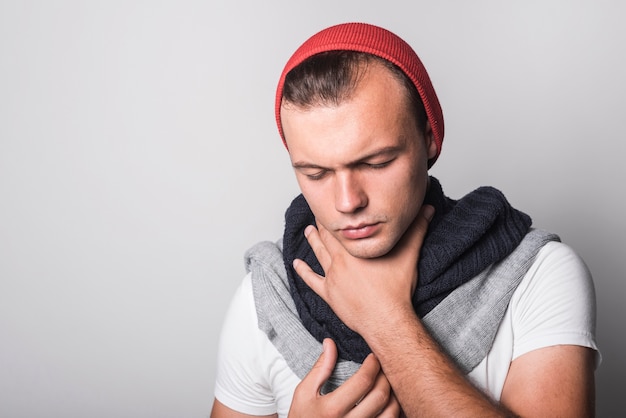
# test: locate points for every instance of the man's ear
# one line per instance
(429, 138)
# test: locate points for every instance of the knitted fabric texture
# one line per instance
(362, 37)
(464, 323)
(463, 239)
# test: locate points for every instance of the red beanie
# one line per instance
(377, 41)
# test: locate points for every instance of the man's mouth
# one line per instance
(360, 231)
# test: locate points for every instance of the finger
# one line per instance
(315, 241)
(392, 410)
(311, 278)
(331, 243)
(376, 400)
(356, 387)
(322, 369)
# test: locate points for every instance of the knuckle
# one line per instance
(392, 410)
(299, 392)
(332, 410)
(364, 380)
(380, 396)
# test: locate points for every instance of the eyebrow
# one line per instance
(298, 165)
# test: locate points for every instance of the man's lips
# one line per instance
(360, 231)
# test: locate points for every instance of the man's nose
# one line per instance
(350, 194)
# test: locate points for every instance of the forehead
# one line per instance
(376, 114)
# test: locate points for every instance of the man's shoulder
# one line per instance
(558, 287)
(559, 257)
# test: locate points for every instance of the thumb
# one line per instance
(323, 367)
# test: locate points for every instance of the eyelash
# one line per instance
(317, 176)
(379, 166)
(321, 174)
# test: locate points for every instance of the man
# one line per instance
(419, 305)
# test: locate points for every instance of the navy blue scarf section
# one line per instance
(464, 237)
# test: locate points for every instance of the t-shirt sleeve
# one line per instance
(241, 384)
(558, 305)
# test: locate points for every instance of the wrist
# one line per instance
(394, 323)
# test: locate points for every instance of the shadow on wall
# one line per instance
(607, 267)
(610, 376)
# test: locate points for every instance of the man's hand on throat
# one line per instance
(363, 292)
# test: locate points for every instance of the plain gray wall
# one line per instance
(139, 159)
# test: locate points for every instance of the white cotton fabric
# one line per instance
(553, 305)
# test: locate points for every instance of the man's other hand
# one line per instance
(366, 394)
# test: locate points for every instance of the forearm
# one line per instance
(425, 381)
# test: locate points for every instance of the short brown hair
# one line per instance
(330, 77)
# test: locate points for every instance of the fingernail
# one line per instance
(295, 263)
(307, 230)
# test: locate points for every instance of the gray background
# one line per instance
(139, 159)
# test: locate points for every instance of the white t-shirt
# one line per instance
(553, 305)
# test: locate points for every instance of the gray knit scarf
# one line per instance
(475, 253)
(464, 323)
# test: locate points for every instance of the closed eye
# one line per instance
(378, 165)
(317, 176)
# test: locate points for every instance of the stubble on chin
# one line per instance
(366, 250)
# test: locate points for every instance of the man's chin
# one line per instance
(362, 249)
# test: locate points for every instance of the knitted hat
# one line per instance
(362, 37)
